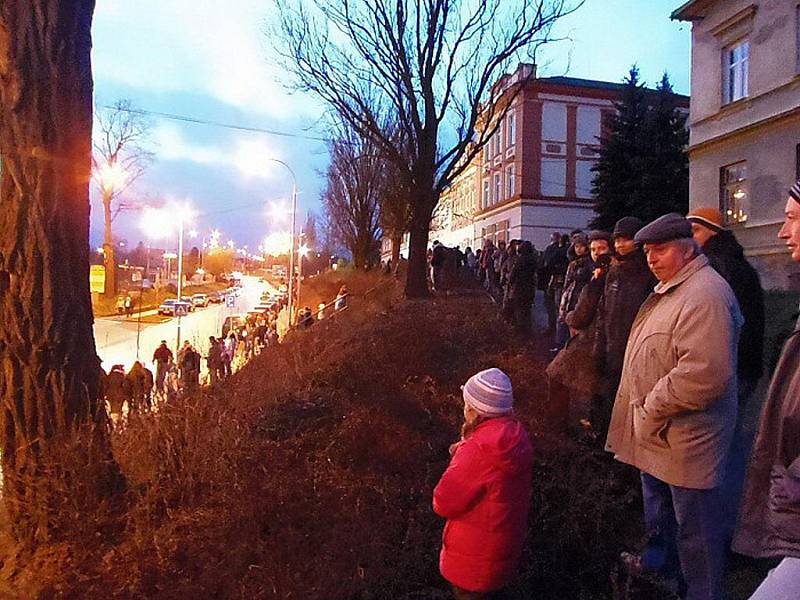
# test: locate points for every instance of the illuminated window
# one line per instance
(733, 194)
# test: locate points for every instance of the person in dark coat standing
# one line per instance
(726, 255)
(140, 386)
(769, 519)
(628, 283)
(117, 391)
(550, 257)
(522, 287)
(579, 272)
(162, 357)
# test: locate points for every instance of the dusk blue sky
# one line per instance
(210, 59)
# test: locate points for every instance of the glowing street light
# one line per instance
(159, 224)
(111, 176)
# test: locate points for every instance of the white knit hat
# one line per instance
(489, 393)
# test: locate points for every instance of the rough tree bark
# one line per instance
(49, 371)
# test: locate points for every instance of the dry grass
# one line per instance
(310, 475)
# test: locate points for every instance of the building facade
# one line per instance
(744, 148)
(535, 174)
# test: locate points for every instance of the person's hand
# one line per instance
(597, 273)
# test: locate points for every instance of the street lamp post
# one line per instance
(180, 280)
(292, 243)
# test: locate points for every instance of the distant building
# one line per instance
(744, 146)
(534, 176)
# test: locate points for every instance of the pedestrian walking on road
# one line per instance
(769, 518)
(485, 492)
(675, 411)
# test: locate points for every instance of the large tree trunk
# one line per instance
(109, 260)
(417, 275)
(55, 449)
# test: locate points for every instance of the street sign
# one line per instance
(180, 311)
(230, 301)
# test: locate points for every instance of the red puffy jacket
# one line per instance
(485, 495)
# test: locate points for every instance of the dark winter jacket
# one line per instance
(726, 255)
(117, 390)
(769, 516)
(628, 284)
(522, 277)
(579, 272)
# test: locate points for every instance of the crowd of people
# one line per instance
(659, 328)
(139, 391)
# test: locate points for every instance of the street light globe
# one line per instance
(111, 176)
(303, 250)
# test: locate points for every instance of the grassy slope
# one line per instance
(310, 476)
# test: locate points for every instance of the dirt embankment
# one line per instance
(310, 474)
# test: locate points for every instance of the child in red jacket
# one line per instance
(485, 492)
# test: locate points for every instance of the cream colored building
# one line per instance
(744, 147)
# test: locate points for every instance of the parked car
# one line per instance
(201, 300)
(233, 323)
(171, 306)
(216, 297)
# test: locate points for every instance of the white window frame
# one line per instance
(487, 193)
(735, 71)
(498, 188)
(511, 129)
(511, 182)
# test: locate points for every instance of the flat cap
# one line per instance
(627, 227)
(670, 227)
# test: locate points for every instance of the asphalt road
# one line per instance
(116, 337)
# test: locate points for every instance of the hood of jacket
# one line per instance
(505, 443)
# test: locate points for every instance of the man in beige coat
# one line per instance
(675, 411)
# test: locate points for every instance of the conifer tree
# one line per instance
(643, 169)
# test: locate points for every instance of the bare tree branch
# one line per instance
(432, 67)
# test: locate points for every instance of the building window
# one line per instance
(498, 188)
(736, 61)
(501, 234)
(511, 184)
(511, 129)
(486, 199)
(733, 196)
